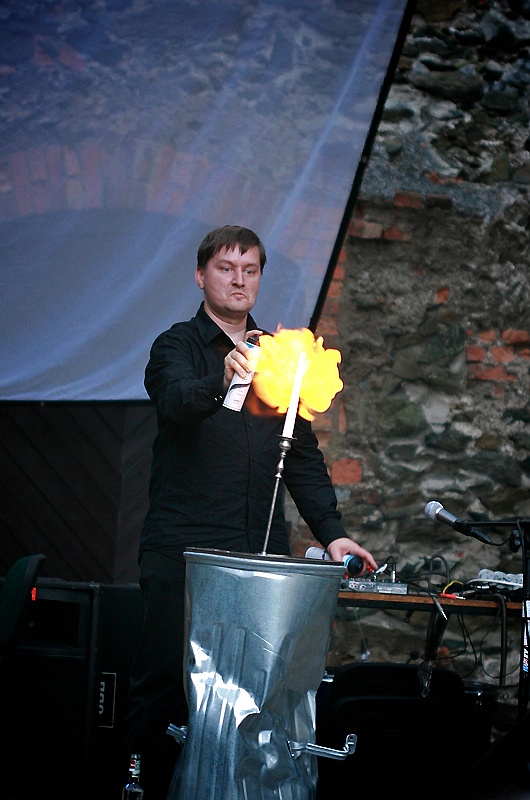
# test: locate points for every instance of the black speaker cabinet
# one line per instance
(65, 697)
(120, 621)
(405, 736)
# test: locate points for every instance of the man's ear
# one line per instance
(199, 279)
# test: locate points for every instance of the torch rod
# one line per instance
(285, 446)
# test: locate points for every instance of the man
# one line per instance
(212, 482)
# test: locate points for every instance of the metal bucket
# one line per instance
(257, 637)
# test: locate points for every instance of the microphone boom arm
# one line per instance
(519, 538)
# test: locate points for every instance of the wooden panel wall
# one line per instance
(74, 482)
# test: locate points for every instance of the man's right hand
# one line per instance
(239, 360)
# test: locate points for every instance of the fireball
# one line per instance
(280, 357)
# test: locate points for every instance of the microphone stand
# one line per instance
(519, 539)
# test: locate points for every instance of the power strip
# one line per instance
(506, 579)
(377, 587)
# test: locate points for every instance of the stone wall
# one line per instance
(429, 301)
(429, 308)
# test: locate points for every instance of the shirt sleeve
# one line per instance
(178, 380)
(309, 484)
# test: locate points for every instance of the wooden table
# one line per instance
(440, 609)
(425, 602)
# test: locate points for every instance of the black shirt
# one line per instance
(214, 470)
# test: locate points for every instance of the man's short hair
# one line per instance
(231, 237)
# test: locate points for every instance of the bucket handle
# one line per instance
(297, 748)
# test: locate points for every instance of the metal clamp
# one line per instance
(178, 733)
(297, 748)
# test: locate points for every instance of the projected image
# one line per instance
(129, 129)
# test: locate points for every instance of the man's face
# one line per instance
(230, 282)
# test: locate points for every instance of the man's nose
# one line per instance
(239, 276)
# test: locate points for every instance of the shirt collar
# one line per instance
(209, 329)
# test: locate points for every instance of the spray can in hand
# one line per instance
(238, 389)
(353, 564)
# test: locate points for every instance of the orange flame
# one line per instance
(277, 365)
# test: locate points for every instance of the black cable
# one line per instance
(504, 635)
(467, 638)
(447, 571)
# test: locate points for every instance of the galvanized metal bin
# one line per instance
(258, 634)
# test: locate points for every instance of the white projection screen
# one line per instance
(130, 128)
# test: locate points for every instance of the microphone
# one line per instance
(353, 564)
(435, 510)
